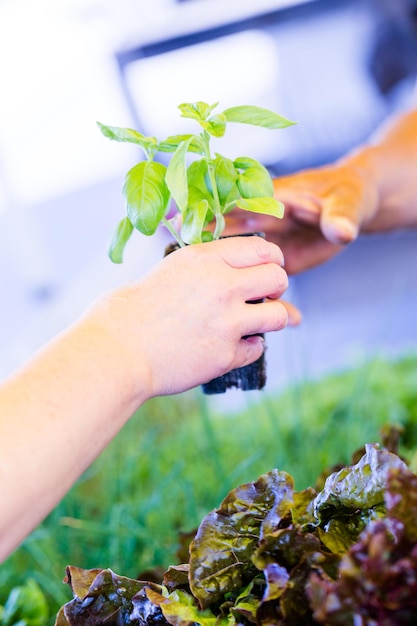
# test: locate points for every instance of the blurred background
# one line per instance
(337, 67)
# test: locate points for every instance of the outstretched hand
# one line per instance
(372, 189)
(324, 210)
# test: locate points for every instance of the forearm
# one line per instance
(56, 416)
(181, 325)
(388, 163)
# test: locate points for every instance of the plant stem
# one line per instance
(217, 207)
(168, 225)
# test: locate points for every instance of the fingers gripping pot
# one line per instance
(196, 188)
(248, 378)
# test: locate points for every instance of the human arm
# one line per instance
(371, 189)
(179, 326)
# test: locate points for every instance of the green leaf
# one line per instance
(221, 552)
(196, 110)
(301, 513)
(128, 135)
(119, 240)
(216, 125)
(255, 182)
(180, 609)
(170, 144)
(26, 605)
(206, 236)
(354, 496)
(199, 187)
(147, 195)
(243, 163)
(176, 176)
(197, 176)
(256, 116)
(246, 608)
(231, 199)
(226, 176)
(194, 220)
(265, 206)
(195, 196)
(358, 486)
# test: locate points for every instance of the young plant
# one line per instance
(202, 191)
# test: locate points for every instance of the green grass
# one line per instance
(178, 457)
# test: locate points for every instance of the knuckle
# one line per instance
(279, 277)
(280, 318)
(263, 248)
(268, 252)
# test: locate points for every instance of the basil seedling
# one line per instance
(187, 197)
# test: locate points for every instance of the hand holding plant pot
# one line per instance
(191, 200)
(202, 332)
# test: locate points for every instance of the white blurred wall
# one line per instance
(60, 180)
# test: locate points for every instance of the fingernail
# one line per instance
(343, 230)
(294, 318)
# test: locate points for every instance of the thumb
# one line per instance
(249, 349)
(339, 221)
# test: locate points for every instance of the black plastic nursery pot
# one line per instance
(248, 378)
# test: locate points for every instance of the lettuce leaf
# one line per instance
(269, 555)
